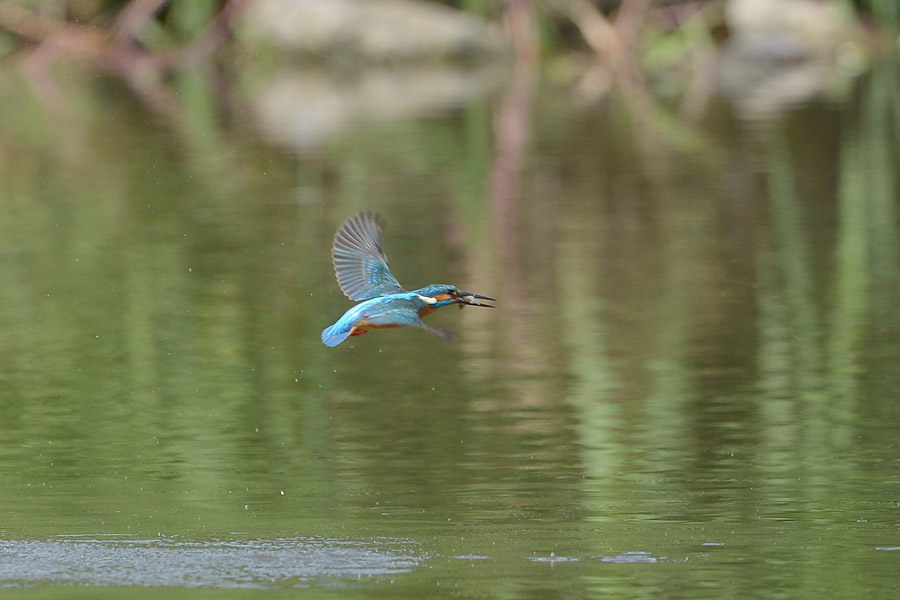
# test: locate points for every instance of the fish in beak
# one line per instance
(473, 300)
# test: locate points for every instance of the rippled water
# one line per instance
(270, 563)
(688, 389)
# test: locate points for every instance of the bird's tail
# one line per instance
(334, 335)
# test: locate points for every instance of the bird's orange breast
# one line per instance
(365, 325)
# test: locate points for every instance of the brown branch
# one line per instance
(630, 17)
(84, 41)
(599, 33)
(214, 35)
(134, 17)
(21, 22)
(114, 50)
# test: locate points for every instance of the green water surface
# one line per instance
(690, 387)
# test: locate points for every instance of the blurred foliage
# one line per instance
(886, 11)
(184, 19)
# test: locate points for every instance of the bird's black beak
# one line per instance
(473, 300)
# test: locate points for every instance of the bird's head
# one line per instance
(437, 295)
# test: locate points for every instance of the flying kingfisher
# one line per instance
(362, 271)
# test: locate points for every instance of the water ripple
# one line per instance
(632, 557)
(287, 562)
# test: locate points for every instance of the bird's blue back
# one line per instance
(393, 310)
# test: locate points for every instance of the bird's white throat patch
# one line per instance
(426, 299)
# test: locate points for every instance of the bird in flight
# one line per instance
(362, 271)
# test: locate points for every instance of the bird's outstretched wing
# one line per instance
(361, 266)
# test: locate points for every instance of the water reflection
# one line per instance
(304, 110)
(693, 366)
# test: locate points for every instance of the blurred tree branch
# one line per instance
(117, 48)
(84, 41)
(134, 17)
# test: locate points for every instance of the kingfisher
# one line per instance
(363, 274)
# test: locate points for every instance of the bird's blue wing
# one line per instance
(361, 266)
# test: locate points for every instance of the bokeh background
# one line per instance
(687, 212)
